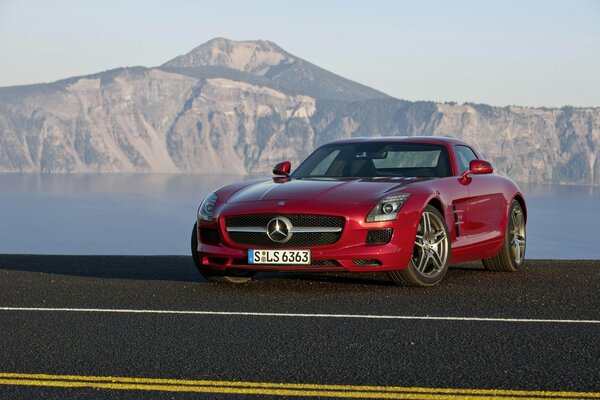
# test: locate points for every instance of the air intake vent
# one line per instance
(367, 262)
(379, 236)
(209, 236)
(315, 263)
(325, 263)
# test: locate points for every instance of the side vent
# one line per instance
(457, 219)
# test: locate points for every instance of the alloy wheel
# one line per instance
(431, 246)
(517, 235)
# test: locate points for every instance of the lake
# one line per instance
(134, 214)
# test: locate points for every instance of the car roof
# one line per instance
(406, 139)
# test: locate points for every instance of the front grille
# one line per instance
(305, 220)
(298, 239)
(379, 236)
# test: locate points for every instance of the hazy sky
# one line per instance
(538, 53)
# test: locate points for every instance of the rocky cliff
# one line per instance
(242, 106)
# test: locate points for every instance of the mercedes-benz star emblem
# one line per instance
(279, 229)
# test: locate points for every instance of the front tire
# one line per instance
(512, 253)
(216, 276)
(431, 254)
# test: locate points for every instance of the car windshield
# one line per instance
(372, 160)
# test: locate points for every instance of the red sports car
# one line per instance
(406, 205)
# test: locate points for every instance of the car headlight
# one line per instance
(388, 208)
(205, 211)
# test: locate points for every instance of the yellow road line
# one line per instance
(279, 389)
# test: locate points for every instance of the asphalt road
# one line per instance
(95, 317)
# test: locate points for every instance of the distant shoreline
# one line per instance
(266, 175)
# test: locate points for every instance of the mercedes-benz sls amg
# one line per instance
(409, 206)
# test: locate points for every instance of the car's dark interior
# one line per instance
(348, 164)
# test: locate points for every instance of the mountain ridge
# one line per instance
(242, 106)
(266, 59)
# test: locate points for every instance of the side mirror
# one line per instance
(480, 167)
(283, 168)
(476, 167)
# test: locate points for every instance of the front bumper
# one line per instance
(350, 253)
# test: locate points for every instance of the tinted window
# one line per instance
(464, 155)
(321, 168)
(398, 158)
(370, 160)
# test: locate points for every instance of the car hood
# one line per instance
(351, 191)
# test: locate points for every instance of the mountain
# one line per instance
(265, 59)
(242, 106)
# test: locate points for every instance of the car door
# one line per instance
(485, 203)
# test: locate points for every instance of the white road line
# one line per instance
(294, 315)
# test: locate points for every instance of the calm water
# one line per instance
(154, 214)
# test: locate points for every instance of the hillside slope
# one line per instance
(242, 106)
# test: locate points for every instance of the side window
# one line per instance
(464, 155)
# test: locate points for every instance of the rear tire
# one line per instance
(431, 254)
(216, 276)
(512, 253)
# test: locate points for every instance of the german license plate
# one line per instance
(279, 257)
